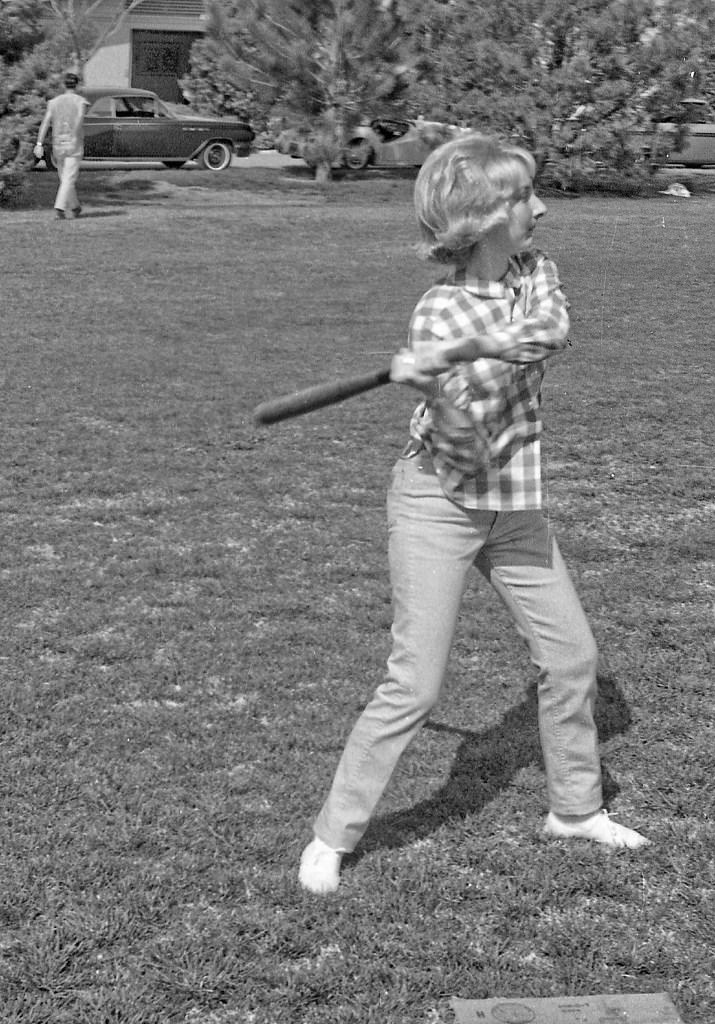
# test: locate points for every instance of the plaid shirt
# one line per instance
(483, 429)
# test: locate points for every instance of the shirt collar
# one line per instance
(501, 289)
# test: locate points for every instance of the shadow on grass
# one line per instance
(485, 764)
(94, 214)
(302, 170)
(97, 188)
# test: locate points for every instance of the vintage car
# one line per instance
(687, 139)
(691, 139)
(387, 142)
(384, 142)
(135, 125)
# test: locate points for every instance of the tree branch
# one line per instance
(113, 26)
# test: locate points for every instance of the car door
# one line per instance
(398, 143)
(99, 129)
(691, 139)
(145, 130)
(699, 148)
(410, 149)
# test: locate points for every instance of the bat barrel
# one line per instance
(317, 397)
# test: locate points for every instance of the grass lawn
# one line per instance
(196, 609)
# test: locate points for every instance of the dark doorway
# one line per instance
(159, 60)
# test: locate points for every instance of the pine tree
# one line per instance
(327, 62)
(20, 28)
(25, 80)
(573, 82)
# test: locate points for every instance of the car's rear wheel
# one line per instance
(216, 156)
(174, 164)
(49, 157)
(358, 154)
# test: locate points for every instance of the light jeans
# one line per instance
(68, 170)
(433, 544)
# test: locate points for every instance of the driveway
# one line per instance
(261, 158)
(264, 158)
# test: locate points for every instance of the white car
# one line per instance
(390, 142)
(384, 142)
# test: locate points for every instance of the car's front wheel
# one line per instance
(358, 154)
(216, 156)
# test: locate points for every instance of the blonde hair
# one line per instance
(463, 189)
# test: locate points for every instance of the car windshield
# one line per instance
(390, 130)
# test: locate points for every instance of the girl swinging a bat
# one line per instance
(467, 492)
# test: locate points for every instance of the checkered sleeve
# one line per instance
(544, 328)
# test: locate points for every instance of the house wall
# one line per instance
(113, 63)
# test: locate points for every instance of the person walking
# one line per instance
(65, 115)
(467, 491)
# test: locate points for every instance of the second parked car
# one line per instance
(134, 125)
(688, 138)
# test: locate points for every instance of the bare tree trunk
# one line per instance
(76, 20)
(322, 152)
(323, 172)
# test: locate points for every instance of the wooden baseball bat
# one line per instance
(319, 395)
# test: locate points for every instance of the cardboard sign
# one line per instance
(654, 1008)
